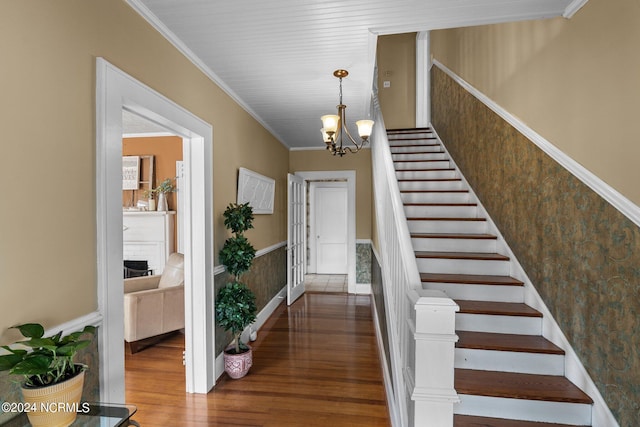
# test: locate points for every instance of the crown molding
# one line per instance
(159, 26)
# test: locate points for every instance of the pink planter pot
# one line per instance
(237, 365)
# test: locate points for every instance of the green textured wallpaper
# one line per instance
(581, 253)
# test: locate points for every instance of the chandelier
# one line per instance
(334, 128)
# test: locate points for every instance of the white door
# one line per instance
(295, 238)
(330, 227)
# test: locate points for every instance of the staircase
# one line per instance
(506, 373)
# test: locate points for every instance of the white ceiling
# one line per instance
(276, 57)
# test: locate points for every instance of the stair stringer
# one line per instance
(574, 370)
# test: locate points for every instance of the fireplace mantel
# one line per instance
(148, 236)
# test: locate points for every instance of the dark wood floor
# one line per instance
(316, 363)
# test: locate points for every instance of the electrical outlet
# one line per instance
(386, 84)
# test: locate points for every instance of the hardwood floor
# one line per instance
(316, 363)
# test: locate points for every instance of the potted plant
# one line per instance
(235, 303)
(53, 382)
(166, 186)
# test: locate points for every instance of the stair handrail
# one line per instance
(419, 321)
(399, 268)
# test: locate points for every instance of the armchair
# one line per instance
(154, 305)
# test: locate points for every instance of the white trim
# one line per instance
(574, 369)
(117, 91)
(620, 202)
(147, 134)
(261, 318)
(156, 23)
(350, 176)
(423, 79)
(220, 268)
(77, 324)
(573, 7)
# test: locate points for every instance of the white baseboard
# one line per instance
(261, 318)
(363, 288)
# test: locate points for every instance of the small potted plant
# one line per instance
(53, 382)
(166, 186)
(235, 303)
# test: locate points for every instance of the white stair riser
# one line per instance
(429, 185)
(497, 293)
(509, 361)
(415, 149)
(454, 245)
(463, 266)
(426, 226)
(499, 324)
(432, 155)
(520, 409)
(436, 164)
(431, 174)
(414, 138)
(435, 197)
(445, 211)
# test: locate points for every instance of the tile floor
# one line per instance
(326, 283)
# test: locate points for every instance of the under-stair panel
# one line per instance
(507, 373)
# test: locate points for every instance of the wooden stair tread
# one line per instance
(439, 204)
(426, 169)
(391, 145)
(409, 130)
(420, 160)
(417, 152)
(434, 191)
(453, 236)
(434, 218)
(506, 342)
(551, 388)
(497, 308)
(485, 256)
(473, 421)
(470, 279)
(429, 179)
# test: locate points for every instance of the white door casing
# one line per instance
(350, 177)
(330, 226)
(295, 237)
(117, 91)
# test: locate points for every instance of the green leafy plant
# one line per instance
(235, 303)
(235, 310)
(49, 360)
(166, 186)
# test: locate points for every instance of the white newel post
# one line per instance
(434, 394)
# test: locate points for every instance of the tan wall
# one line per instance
(396, 59)
(47, 250)
(321, 160)
(167, 150)
(574, 81)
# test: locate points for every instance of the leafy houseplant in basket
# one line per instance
(235, 303)
(53, 382)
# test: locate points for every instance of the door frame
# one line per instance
(313, 217)
(350, 177)
(117, 91)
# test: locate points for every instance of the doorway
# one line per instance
(116, 91)
(328, 234)
(348, 179)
